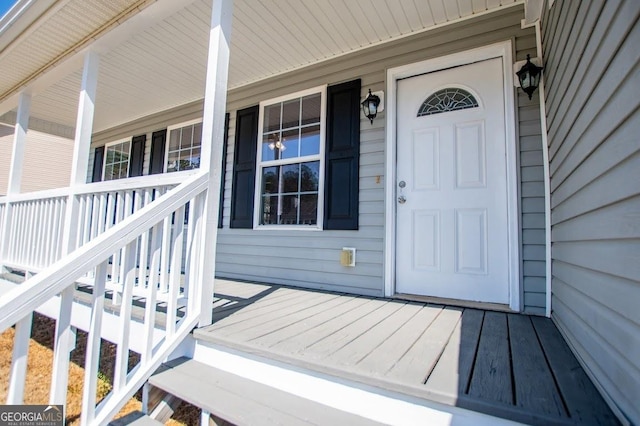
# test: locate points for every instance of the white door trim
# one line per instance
(502, 50)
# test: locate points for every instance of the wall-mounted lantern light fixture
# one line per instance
(370, 106)
(529, 77)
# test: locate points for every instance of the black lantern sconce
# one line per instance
(529, 76)
(370, 106)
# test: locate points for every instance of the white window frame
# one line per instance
(166, 149)
(322, 90)
(104, 160)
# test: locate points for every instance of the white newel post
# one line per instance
(84, 125)
(215, 102)
(15, 169)
(18, 373)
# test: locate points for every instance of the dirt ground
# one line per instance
(39, 373)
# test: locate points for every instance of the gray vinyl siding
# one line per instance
(310, 258)
(532, 204)
(593, 125)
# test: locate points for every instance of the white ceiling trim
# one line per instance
(381, 42)
(138, 47)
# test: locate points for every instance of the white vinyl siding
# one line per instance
(591, 79)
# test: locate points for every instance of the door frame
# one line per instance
(502, 50)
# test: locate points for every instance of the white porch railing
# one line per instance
(36, 220)
(129, 234)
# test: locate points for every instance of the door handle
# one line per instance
(402, 199)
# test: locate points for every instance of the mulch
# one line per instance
(40, 365)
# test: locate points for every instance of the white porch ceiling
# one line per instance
(163, 65)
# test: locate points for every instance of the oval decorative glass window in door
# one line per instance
(445, 100)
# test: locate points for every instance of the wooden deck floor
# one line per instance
(508, 365)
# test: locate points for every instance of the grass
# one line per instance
(39, 369)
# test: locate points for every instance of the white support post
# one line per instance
(19, 139)
(215, 102)
(18, 375)
(84, 126)
(15, 169)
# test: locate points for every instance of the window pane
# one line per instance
(310, 141)
(125, 150)
(110, 157)
(174, 140)
(184, 159)
(197, 134)
(270, 180)
(308, 209)
(195, 158)
(172, 162)
(269, 210)
(290, 176)
(108, 172)
(311, 109)
(115, 173)
(289, 214)
(123, 170)
(309, 176)
(187, 133)
(290, 142)
(272, 118)
(270, 145)
(291, 114)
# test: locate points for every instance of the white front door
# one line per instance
(452, 236)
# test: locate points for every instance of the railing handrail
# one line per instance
(44, 194)
(139, 182)
(52, 280)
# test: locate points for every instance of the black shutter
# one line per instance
(244, 168)
(136, 161)
(158, 143)
(98, 160)
(223, 168)
(342, 156)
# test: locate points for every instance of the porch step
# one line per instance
(136, 419)
(242, 401)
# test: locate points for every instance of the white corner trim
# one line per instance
(351, 397)
(547, 175)
(503, 50)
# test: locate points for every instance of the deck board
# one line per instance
(290, 318)
(534, 385)
(260, 323)
(365, 343)
(491, 377)
(583, 400)
(508, 365)
(264, 305)
(452, 374)
(345, 335)
(381, 359)
(301, 324)
(300, 343)
(418, 362)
